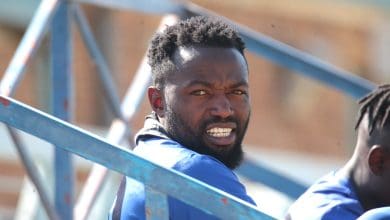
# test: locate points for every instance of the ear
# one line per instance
(156, 100)
(377, 159)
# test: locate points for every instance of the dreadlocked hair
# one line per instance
(196, 31)
(377, 105)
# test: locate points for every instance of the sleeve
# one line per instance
(341, 211)
(376, 214)
(323, 207)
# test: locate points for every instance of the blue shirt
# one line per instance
(154, 145)
(331, 197)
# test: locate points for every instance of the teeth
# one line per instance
(219, 132)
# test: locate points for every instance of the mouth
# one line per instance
(219, 132)
(221, 135)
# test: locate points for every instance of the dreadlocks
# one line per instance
(377, 105)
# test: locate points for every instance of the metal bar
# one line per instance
(255, 172)
(381, 4)
(33, 174)
(118, 130)
(62, 106)
(149, 6)
(28, 46)
(91, 147)
(97, 57)
(296, 60)
(156, 205)
(136, 91)
(97, 176)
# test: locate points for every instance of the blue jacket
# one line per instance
(154, 144)
(331, 197)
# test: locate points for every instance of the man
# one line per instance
(200, 102)
(364, 182)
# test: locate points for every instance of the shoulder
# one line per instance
(201, 166)
(213, 172)
(329, 198)
(171, 154)
(164, 152)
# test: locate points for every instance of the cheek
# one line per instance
(242, 107)
(188, 110)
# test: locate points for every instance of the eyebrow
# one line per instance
(208, 84)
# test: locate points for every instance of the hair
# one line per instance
(377, 105)
(195, 31)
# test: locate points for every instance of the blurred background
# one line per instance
(299, 127)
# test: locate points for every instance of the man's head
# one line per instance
(373, 147)
(200, 87)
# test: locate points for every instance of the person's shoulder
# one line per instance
(331, 185)
(348, 209)
(325, 210)
(170, 153)
(329, 198)
(201, 165)
(164, 152)
(211, 171)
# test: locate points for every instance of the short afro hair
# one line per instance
(195, 31)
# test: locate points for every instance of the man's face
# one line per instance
(206, 102)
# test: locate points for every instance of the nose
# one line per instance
(221, 106)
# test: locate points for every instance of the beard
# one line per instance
(192, 138)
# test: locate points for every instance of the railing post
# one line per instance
(156, 205)
(61, 53)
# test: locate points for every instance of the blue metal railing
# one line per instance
(91, 147)
(62, 105)
(25, 118)
(296, 60)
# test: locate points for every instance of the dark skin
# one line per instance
(369, 167)
(204, 104)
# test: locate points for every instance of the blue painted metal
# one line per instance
(92, 147)
(306, 64)
(156, 205)
(381, 4)
(136, 91)
(143, 77)
(256, 172)
(27, 47)
(61, 48)
(296, 60)
(119, 129)
(105, 77)
(149, 6)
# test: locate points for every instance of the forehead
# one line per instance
(209, 63)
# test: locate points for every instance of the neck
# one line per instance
(356, 172)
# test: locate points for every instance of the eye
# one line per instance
(239, 92)
(199, 92)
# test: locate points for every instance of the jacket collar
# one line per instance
(152, 128)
